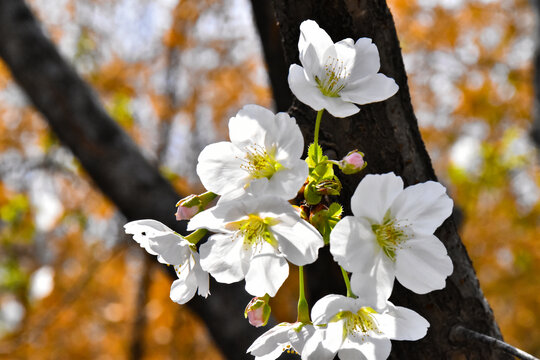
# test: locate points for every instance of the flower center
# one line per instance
(335, 77)
(255, 230)
(390, 235)
(360, 323)
(259, 163)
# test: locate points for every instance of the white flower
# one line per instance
(357, 331)
(334, 76)
(257, 235)
(290, 338)
(263, 156)
(391, 236)
(172, 249)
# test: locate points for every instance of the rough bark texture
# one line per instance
(388, 134)
(263, 14)
(109, 156)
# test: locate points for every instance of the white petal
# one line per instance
(172, 248)
(339, 107)
(219, 168)
(367, 60)
(372, 88)
(269, 346)
(312, 34)
(374, 195)
(399, 323)
(203, 281)
(144, 230)
(346, 54)
(424, 206)
(183, 289)
(324, 310)
(250, 126)
(222, 257)
(353, 244)
(307, 92)
(375, 287)
(313, 66)
(300, 243)
(267, 271)
(298, 337)
(283, 184)
(217, 217)
(422, 264)
(370, 349)
(286, 135)
(181, 292)
(324, 343)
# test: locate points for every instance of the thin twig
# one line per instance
(461, 334)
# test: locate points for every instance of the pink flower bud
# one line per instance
(186, 213)
(258, 311)
(255, 317)
(353, 162)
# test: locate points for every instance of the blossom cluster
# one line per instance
(275, 208)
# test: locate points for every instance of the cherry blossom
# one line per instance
(171, 248)
(335, 76)
(263, 156)
(391, 236)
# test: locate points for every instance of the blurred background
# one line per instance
(171, 73)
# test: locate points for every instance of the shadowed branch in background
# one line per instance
(535, 129)
(461, 335)
(108, 155)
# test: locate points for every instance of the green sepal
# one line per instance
(311, 195)
(325, 220)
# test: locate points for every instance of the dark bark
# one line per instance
(109, 156)
(388, 134)
(265, 20)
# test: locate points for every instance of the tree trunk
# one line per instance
(387, 133)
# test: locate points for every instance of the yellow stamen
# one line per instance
(359, 324)
(390, 235)
(255, 230)
(335, 77)
(259, 163)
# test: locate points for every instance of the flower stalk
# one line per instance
(347, 283)
(316, 134)
(303, 308)
(196, 236)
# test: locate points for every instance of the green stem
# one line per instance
(316, 135)
(206, 198)
(196, 236)
(303, 308)
(347, 283)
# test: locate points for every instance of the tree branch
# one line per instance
(459, 334)
(109, 156)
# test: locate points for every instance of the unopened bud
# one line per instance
(328, 187)
(258, 311)
(318, 215)
(353, 162)
(192, 204)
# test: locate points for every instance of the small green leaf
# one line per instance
(335, 210)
